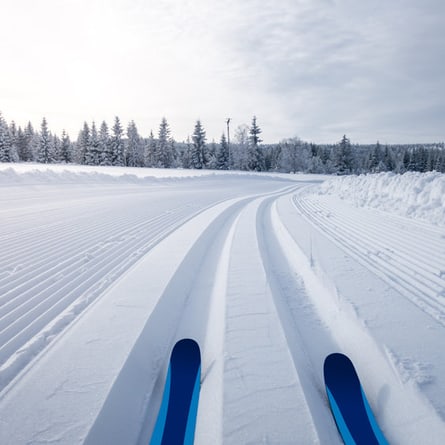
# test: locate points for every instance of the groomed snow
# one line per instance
(103, 269)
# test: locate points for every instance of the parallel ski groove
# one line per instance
(421, 280)
(37, 310)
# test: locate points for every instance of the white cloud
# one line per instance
(313, 68)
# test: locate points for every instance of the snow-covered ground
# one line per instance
(103, 269)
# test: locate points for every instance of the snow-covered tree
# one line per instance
(344, 161)
(56, 144)
(92, 154)
(13, 136)
(105, 155)
(255, 156)
(5, 142)
(150, 154)
(66, 153)
(135, 147)
(117, 144)
(222, 155)
(186, 155)
(44, 154)
(83, 144)
(238, 149)
(30, 143)
(165, 155)
(199, 157)
(294, 156)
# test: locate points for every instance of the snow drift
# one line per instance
(415, 195)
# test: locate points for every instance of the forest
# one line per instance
(118, 146)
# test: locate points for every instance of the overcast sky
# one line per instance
(316, 69)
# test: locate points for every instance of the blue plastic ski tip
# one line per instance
(176, 420)
(350, 408)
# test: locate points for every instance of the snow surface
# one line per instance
(103, 269)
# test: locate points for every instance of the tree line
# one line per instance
(118, 146)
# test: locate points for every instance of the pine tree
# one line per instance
(105, 155)
(116, 144)
(165, 148)
(55, 148)
(222, 156)
(83, 145)
(28, 151)
(13, 137)
(5, 142)
(199, 150)
(388, 159)
(375, 158)
(255, 155)
(44, 150)
(150, 151)
(66, 154)
(135, 147)
(186, 155)
(343, 157)
(92, 153)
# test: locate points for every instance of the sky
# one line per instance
(313, 69)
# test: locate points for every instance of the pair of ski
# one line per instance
(176, 420)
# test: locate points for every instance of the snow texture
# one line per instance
(416, 195)
(103, 269)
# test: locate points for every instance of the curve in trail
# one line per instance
(402, 411)
(191, 306)
(56, 277)
(408, 260)
(128, 356)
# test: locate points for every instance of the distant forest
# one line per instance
(117, 146)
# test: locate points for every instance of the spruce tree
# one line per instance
(343, 157)
(66, 154)
(150, 151)
(92, 154)
(5, 142)
(222, 157)
(117, 144)
(105, 155)
(199, 149)
(186, 154)
(135, 147)
(83, 145)
(165, 148)
(13, 137)
(44, 149)
(30, 144)
(255, 159)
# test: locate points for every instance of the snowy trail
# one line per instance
(408, 255)
(61, 251)
(97, 283)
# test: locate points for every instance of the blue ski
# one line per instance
(176, 420)
(350, 408)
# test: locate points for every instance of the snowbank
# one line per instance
(415, 195)
(30, 173)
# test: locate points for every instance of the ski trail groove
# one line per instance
(417, 271)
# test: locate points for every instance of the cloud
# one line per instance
(312, 68)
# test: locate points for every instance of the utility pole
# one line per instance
(228, 141)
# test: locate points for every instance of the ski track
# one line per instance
(59, 256)
(410, 257)
(236, 281)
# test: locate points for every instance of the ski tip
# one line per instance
(338, 367)
(188, 346)
(335, 359)
(187, 343)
